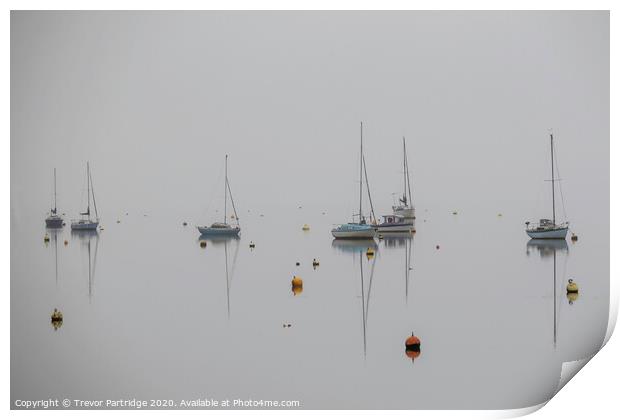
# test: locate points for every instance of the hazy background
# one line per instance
(155, 99)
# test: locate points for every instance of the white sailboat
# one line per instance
(359, 229)
(85, 222)
(405, 207)
(546, 228)
(53, 220)
(224, 228)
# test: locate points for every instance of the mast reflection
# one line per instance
(229, 270)
(86, 237)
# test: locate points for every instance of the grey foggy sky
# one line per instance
(155, 99)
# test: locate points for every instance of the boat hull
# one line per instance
(357, 234)
(559, 233)
(53, 223)
(395, 227)
(209, 231)
(84, 225)
(407, 212)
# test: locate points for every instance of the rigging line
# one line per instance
(408, 177)
(92, 187)
(557, 169)
(232, 202)
(372, 210)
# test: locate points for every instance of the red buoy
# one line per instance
(412, 347)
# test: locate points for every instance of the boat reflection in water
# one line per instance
(54, 234)
(229, 269)
(365, 297)
(404, 241)
(547, 247)
(56, 318)
(86, 237)
(353, 246)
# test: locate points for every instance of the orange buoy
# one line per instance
(574, 237)
(297, 289)
(412, 347)
(297, 282)
(66, 242)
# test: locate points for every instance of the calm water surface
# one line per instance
(160, 317)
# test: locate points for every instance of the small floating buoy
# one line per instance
(184, 223)
(370, 252)
(297, 263)
(499, 215)
(262, 215)
(118, 221)
(63, 223)
(305, 227)
(574, 237)
(203, 244)
(315, 262)
(46, 238)
(572, 297)
(56, 319)
(412, 347)
(66, 242)
(413, 230)
(252, 245)
(436, 246)
(297, 285)
(297, 290)
(572, 287)
(454, 212)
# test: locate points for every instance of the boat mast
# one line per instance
(87, 189)
(404, 173)
(361, 167)
(552, 180)
(54, 209)
(225, 185)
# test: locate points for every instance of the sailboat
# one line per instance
(86, 223)
(224, 228)
(405, 207)
(360, 229)
(53, 220)
(548, 229)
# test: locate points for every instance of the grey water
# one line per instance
(155, 100)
